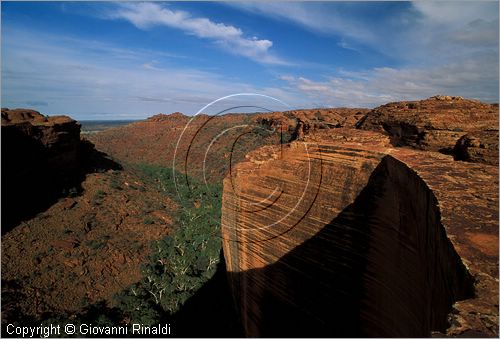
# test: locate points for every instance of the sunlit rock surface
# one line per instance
(342, 234)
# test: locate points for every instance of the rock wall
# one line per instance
(40, 156)
(347, 236)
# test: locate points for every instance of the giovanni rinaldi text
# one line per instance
(86, 329)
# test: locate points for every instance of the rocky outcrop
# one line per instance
(433, 124)
(323, 118)
(344, 235)
(41, 161)
(478, 147)
(84, 248)
(299, 123)
(29, 136)
(160, 117)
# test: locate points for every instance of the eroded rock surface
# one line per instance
(299, 123)
(83, 249)
(478, 147)
(344, 235)
(203, 145)
(76, 228)
(433, 124)
(29, 136)
(40, 157)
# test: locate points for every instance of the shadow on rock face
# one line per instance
(210, 312)
(35, 176)
(383, 267)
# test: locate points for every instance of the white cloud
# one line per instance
(457, 12)
(147, 15)
(424, 32)
(478, 33)
(381, 85)
(342, 43)
(94, 80)
(447, 47)
(316, 16)
(448, 31)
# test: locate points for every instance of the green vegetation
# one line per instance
(286, 137)
(148, 221)
(183, 261)
(116, 182)
(178, 266)
(262, 131)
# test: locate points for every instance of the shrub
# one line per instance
(98, 196)
(186, 259)
(116, 183)
(148, 221)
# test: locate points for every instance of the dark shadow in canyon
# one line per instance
(210, 312)
(383, 267)
(34, 177)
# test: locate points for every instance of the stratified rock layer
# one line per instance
(344, 235)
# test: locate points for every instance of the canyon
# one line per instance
(335, 221)
(73, 231)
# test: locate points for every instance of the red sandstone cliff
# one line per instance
(342, 234)
(28, 135)
(41, 156)
(478, 147)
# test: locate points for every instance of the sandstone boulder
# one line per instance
(478, 147)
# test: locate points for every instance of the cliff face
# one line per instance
(30, 137)
(40, 157)
(299, 123)
(343, 235)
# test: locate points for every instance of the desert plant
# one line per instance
(148, 221)
(186, 259)
(97, 198)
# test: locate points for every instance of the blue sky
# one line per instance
(128, 60)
